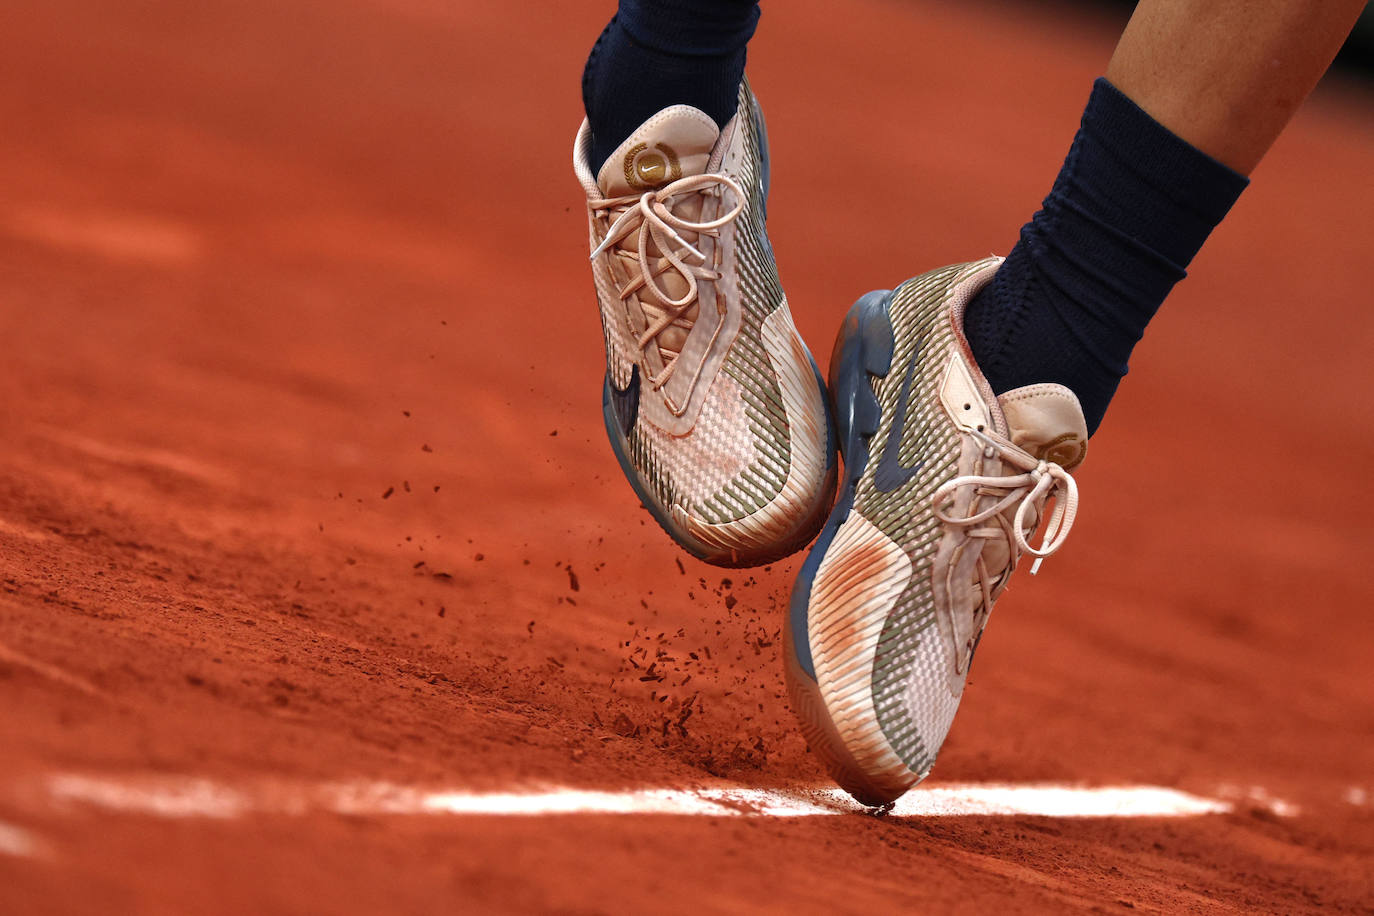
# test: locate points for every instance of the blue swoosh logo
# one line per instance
(890, 472)
(625, 401)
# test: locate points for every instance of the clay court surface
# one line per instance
(304, 493)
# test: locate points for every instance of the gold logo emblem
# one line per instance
(651, 167)
(1066, 450)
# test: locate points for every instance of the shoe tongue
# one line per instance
(1047, 421)
(672, 144)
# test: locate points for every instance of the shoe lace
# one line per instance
(1038, 482)
(652, 212)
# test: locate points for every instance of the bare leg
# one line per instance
(1227, 75)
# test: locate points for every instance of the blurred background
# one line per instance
(1357, 56)
(303, 479)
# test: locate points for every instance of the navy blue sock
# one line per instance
(656, 53)
(1131, 207)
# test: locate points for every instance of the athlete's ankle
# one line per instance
(657, 53)
(1131, 207)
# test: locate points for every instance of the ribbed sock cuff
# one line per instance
(657, 53)
(1132, 206)
(690, 28)
(1135, 174)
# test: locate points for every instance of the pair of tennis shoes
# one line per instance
(719, 418)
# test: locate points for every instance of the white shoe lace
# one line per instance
(1038, 482)
(653, 211)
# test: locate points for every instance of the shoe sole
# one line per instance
(863, 350)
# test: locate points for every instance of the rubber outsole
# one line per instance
(863, 350)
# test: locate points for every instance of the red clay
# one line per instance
(303, 477)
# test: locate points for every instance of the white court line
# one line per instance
(161, 796)
(1259, 797)
(15, 841)
(188, 798)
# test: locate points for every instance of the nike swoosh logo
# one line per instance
(625, 401)
(890, 472)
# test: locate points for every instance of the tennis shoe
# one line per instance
(712, 403)
(944, 485)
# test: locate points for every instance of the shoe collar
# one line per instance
(1045, 421)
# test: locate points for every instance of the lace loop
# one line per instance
(1028, 490)
(651, 213)
(653, 210)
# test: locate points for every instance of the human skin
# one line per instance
(1227, 75)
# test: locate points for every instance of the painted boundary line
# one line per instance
(203, 798)
(15, 841)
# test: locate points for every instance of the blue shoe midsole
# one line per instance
(863, 349)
